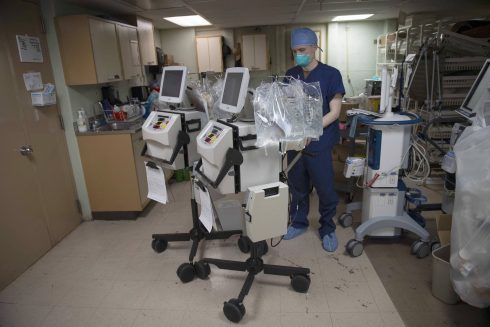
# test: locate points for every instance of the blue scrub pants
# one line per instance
(317, 170)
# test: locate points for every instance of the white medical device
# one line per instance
(173, 84)
(230, 161)
(170, 135)
(384, 194)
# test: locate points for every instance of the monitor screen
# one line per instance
(171, 85)
(478, 89)
(231, 91)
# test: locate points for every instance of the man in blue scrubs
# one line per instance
(316, 167)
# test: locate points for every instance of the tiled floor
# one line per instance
(105, 274)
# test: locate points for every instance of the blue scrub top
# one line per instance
(330, 84)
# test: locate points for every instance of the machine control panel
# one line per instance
(211, 137)
(160, 122)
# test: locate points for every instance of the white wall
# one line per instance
(181, 43)
(352, 50)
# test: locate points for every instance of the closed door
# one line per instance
(37, 195)
(128, 44)
(147, 42)
(202, 54)
(215, 54)
(106, 51)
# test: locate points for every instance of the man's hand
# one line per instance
(333, 115)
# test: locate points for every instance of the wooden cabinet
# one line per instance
(147, 41)
(209, 54)
(115, 174)
(89, 50)
(254, 52)
(130, 52)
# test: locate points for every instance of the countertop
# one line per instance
(114, 128)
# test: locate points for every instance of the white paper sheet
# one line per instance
(207, 215)
(29, 49)
(33, 81)
(157, 189)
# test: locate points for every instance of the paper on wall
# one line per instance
(29, 49)
(157, 189)
(207, 216)
(33, 81)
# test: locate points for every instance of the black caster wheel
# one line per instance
(159, 245)
(234, 310)
(345, 219)
(264, 248)
(435, 245)
(420, 249)
(244, 244)
(202, 269)
(186, 272)
(354, 248)
(300, 283)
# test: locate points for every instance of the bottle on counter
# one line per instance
(82, 122)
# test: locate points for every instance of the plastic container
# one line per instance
(441, 281)
(82, 121)
(449, 163)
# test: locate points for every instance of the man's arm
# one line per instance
(333, 115)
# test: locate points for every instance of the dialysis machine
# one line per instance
(170, 133)
(170, 136)
(231, 163)
(385, 195)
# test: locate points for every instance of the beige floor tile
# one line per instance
(343, 296)
(107, 268)
(141, 269)
(357, 319)
(63, 316)
(336, 267)
(314, 300)
(158, 318)
(20, 315)
(127, 295)
(169, 296)
(260, 318)
(392, 319)
(318, 319)
(46, 292)
(210, 318)
(87, 293)
(106, 317)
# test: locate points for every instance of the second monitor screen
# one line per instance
(172, 80)
(232, 89)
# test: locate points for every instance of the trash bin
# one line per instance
(441, 281)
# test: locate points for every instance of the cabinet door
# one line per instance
(128, 44)
(106, 51)
(202, 54)
(260, 52)
(147, 42)
(248, 51)
(139, 161)
(215, 54)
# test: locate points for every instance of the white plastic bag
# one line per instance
(287, 112)
(470, 235)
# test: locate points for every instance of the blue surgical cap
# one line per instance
(303, 36)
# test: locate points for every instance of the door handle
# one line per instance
(26, 150)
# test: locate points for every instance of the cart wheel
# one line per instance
(202, 269)
(264, 248)
(423, 250)
(345, 219)
(415, 246)
(435, 245)
(234, 310)
(244, 244)
(186, 272)
(300, 283)
(159, 245)
(354, 248)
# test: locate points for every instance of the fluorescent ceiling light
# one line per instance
(351, 17)
(187, 21)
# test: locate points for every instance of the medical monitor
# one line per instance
(234, 89)
(480, 87)
(173, 83)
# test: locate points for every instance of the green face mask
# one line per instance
(302, 59)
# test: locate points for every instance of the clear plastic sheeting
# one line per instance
(287, 111)
(470, 235)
